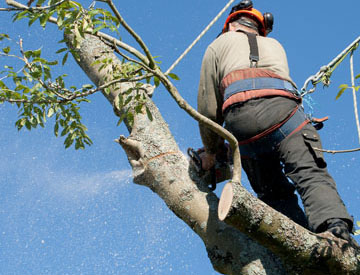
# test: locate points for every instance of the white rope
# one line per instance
(354, 93)
(199, 37)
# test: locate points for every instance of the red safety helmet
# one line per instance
(245, 8)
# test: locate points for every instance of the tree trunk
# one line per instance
(158, 163)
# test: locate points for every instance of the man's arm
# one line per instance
(209, 105)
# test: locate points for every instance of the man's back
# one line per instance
(232, 51)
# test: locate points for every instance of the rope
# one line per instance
(198, 38)
(336, 151)
(353, 92)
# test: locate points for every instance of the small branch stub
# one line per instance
(133, 150)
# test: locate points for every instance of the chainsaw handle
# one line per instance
(195, 157)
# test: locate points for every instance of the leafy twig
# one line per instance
(132, 32)
(43, 84)
(144, 66)
(107, 37)
(102, 87)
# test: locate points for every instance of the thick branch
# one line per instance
(293, 243)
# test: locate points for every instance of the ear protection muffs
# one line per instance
(269, 22)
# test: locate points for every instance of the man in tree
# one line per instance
(245, 83)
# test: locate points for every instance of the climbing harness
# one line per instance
(258, 83)
(266, 141)
(242, 85)
(254, 49)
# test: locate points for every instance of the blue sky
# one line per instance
(77, 212)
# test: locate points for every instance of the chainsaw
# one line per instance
(221, 171)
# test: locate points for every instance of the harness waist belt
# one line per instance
(258, 83)
(267, 144)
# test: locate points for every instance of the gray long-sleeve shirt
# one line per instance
(228, 53)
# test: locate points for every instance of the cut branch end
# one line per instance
(225, 202)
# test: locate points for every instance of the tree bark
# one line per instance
(157, 163)
(292, 243)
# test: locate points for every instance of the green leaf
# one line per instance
(52, 63)
(43, 20)
(99, 28)
(128, 99)
(56, 129)
(65, 131)
(64, 58)
(358, 76)
(20, 123)
(98, 61)
(130, 118)
(60, 20)
(343, 88)
(50, 112)
(87, 140)
(156, 81)
(107, 91)
(4, 35)
(149, 114)
(36, 53)
(68, 141)
(28, 54)
(61, 50)
(174, 76)
(28, 124)
(122, 117)
(20, 15)
(6, 50)
(87, 86)
(138, 109)
(33, 19)
(77, 144)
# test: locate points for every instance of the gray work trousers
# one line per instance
(295, 159)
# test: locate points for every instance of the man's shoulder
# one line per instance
(238, 37)
(269, 39)
(228, 38)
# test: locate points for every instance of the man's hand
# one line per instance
(207, 160)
